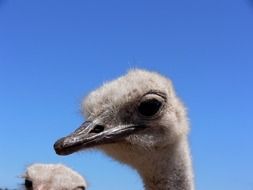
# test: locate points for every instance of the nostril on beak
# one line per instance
(97, 129)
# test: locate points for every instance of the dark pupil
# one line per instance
(28, 183)
(80, 188)
(149, 107)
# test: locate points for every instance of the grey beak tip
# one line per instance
(58, 146)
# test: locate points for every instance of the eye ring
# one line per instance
(150, 105)
(80, 188)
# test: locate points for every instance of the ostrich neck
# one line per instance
(161, 168)
(168, 169)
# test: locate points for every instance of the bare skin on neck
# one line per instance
(177, 175)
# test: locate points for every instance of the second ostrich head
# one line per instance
(52, 177)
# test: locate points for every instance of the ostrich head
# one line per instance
(133, 114)
(52, 177)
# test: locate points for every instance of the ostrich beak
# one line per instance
(90, 134)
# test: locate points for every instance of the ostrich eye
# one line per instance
(28, 184)
(80, 188)
(149, 107)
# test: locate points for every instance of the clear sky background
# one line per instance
(53, 52)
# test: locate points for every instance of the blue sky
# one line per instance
(52, 53)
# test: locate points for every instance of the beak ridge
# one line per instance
(90, 134)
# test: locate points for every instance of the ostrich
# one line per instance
(137, 119)
(52, 177)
